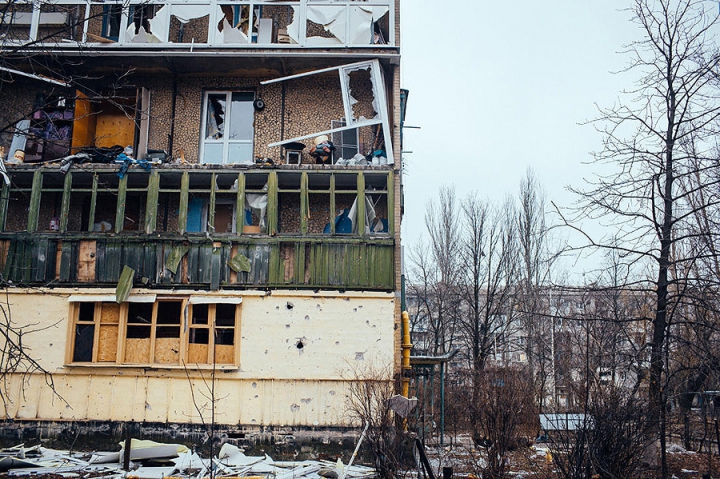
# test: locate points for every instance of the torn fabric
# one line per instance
(369, 215)
(402, 405)
(258, 202)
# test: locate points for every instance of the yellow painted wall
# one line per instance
(276, 384)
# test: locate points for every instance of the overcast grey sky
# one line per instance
(498, 87)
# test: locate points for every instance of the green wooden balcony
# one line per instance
(212, 228)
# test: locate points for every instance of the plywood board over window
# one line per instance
(108, 122)
(213, 328)
(86, 261)
(108, 336)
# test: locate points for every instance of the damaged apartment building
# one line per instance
(201, 216)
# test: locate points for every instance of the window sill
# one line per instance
(156, 367)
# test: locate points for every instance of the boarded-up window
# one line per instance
(147, 333)
(212, 333)
(95, 332)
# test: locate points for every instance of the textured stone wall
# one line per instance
(17, 103)
(310, 105)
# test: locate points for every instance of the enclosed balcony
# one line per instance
(182, 24)
(213, 228)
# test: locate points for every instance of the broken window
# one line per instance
(17, 21)
(45, 22)
(51, 201)
(188, 24)
(223, 202)
(18, 203)
(346, 142)
(95, 338)
(291, 204)
(258, 22)
(343, 23)
(256, 203)
(60, 22)
(153, 332)
(228, 128)
(365, 109)
(148, 331)
(111, 21)
(101, 210)
(199, 195)
(168, 209)
(269, 23)
(212, 201)
(50, 128)
(376, 193)
(345, 196)
(105, 121)
(133, 209)
(320, 187)
(233, 22)
(223, 219)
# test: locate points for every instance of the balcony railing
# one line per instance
(213, 23)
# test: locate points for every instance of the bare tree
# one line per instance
(435, 272)
(663, 135)
(368, 403)
(490, 253)
(533, 292)
(505, 417)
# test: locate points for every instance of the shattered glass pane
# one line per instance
(361, 94)
(215, 121)
(60, 23)
(16, 20)
(188, 30)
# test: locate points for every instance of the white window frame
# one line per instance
(379, 101)
(339, 145)
(225, 142)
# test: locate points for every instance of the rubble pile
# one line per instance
(151, 460)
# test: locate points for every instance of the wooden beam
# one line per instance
(333, 213)
(65, 208)
(304, 203)
(4, 200)
(240, 205)
(391, 203)
(93, 202)
(151, 202)
(272, 209)
(120, 211)
(184, 188)
(34, 207)
(360, 219)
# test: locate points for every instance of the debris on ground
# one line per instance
(151, 460)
